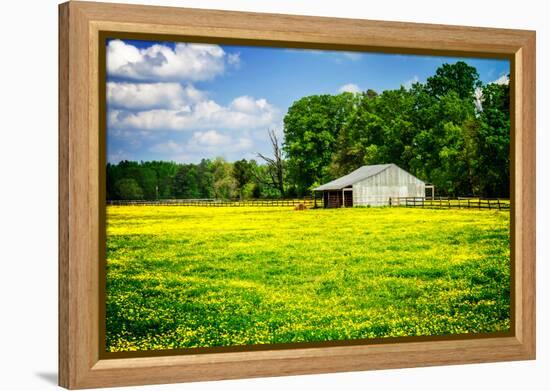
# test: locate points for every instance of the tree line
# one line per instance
(451, 131)
(217, 178)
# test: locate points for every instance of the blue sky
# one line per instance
(184, 102)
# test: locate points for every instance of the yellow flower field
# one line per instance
(180, 277)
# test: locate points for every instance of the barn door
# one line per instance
(334, 199)
(348, 199)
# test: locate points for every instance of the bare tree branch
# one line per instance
(276, 164)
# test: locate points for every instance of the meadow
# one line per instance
(182, 277)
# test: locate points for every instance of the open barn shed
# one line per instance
(371, 185)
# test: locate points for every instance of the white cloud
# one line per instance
(243, 113)
(209, 138)
(117, 156)
(214, 141)
(167, 147)
(208, 144)
(157, 111)
(141, 96)
(409, 83)
(230, 144)
(184, 62)
(234, 59)
(119, 54)
(350, 87)
(247, 104)
(502, 80)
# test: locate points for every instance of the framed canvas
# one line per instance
(201, 239)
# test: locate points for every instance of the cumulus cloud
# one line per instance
(211, 141)
(142, 96)
(350, 87)
(206, 144)
(502, 80)
(184, 62)
(168, 147)
(247, 104)
(154, 109)
(243, 113)
(209, 138)
(202, 144)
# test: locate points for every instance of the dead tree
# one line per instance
(275, 165)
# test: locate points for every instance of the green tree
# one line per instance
(186, 182)
(128, 189)
(438, 146)
(378, 131)
(459, 77)
(224, 186)
(242, 174)
(166, 171)
(148, 182)
(311, 128)
(494, 140)
(205, 179)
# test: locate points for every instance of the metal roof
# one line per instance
(353, 177)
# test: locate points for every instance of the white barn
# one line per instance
(371, 185)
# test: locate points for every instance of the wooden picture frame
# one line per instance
(80, 26)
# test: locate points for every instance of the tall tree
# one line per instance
(494, 140)
(205, 179)
(275, 165)
(378, 131)
(186, 182)
(458, 77)
(224, 185)
(128, 189)
(242, 174)
(311, 127)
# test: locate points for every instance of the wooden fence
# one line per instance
(451, 203)
(309, 202)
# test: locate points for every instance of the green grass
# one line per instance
(180, 277)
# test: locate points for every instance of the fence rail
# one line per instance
(451, 203)
(309, 202)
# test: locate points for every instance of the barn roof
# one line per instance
(353, 177)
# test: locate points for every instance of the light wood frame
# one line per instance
(80, 23)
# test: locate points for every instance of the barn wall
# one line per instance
(392, 182)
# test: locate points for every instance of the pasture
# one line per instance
(180, 277)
